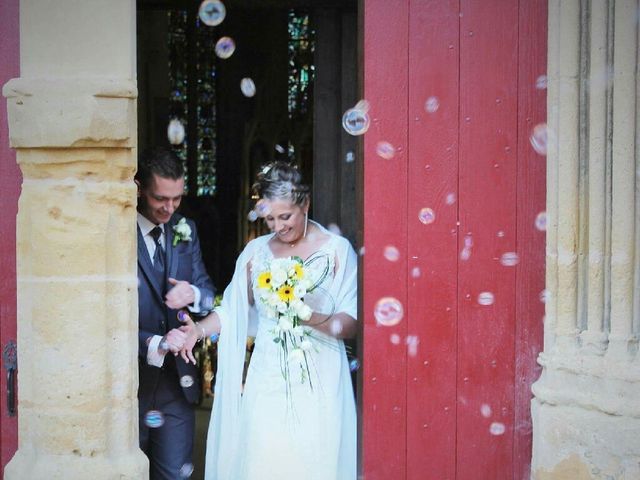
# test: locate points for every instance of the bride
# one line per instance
(296, 416)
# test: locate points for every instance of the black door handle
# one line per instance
(9, 355)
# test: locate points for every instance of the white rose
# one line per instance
(299, 290)
(299, 330)
(285, 324)
(278, 277)
(305, 312)
(306, 345)
(296, 355)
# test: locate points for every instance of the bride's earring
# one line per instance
(306, 220)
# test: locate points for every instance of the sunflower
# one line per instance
(286, 293)
(264, 280)
(299, 271)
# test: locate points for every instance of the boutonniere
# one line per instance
(181, 232)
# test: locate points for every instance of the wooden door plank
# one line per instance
(432, 248)
(530, 273)
(385, 201)
(487, 202)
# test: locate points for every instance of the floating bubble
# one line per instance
(154, 419)
(385, 150)
(500, 233)
(497, 428)
(415, 272)
(451, 198)
(391, 253)
(335, 229)
(186, 470)
(485, 410)
(183, 316)
(541, 82)
(164, 346)
(412, 342)
(539, 138)
(427, 216)
(175, 132)
(388, 311)
(486, 298)
(186, 381)
(350, 157)
(355, 121)
(361, 251)
(247, 87)
(225, 47)
(541, 221)
(432, 105)
(394, 339)
(212, 12)
(354, 365)
(545, 295)
(252, 216)
(465, 254)
(279, 148)
(262, 208)
(509, 259)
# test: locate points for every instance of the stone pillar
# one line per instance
(586, 410)
(72, 121)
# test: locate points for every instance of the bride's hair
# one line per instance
(282, 181)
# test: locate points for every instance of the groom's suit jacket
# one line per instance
(183, 262)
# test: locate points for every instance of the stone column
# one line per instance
(72, 121)
(586, 410)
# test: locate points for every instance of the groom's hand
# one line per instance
(174, 340)
(180, 295)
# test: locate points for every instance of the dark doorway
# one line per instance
(302, 58)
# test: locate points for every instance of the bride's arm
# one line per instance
(197, 331)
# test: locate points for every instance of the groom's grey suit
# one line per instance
(168, 447)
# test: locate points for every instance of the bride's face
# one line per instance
(286, 219)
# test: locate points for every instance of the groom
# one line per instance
(171, 276)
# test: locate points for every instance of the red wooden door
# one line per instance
(10, 180)
(456, 86)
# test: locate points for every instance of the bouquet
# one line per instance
(283, 285)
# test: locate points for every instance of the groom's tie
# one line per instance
(158, 256)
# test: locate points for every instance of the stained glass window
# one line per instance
(191, 53)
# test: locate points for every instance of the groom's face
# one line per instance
(160, 198)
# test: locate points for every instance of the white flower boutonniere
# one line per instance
(181, 232)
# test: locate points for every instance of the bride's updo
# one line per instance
(281, 181)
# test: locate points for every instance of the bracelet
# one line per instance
(204, 334)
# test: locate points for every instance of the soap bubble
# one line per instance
(252, 216)
(451, 198)
(545, 295)
(212, 12)
(465, 254)
(154, 419)
(186, 381)
(385, 150)
(541, 82)
(391, 253)
(427, 216)
(214, 337)
(335, 229)
(175, 132)
(432, 104)
(186, 470)
(412, 342)
(539, 138)
(541, 221)
(354, 365)
(497, 428)
(355, 121)
(279, 148)
(415, 272)
(509, 259)
(485, 410)
(394, 338)
(247, 87)
(388, 311)
(225, 47)
(335, 328)
(486, 298)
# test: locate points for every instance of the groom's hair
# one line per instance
(158, 161)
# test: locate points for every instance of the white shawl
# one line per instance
(235, 316)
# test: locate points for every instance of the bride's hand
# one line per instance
(191, 331)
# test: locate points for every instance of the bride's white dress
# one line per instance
(310, 435)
